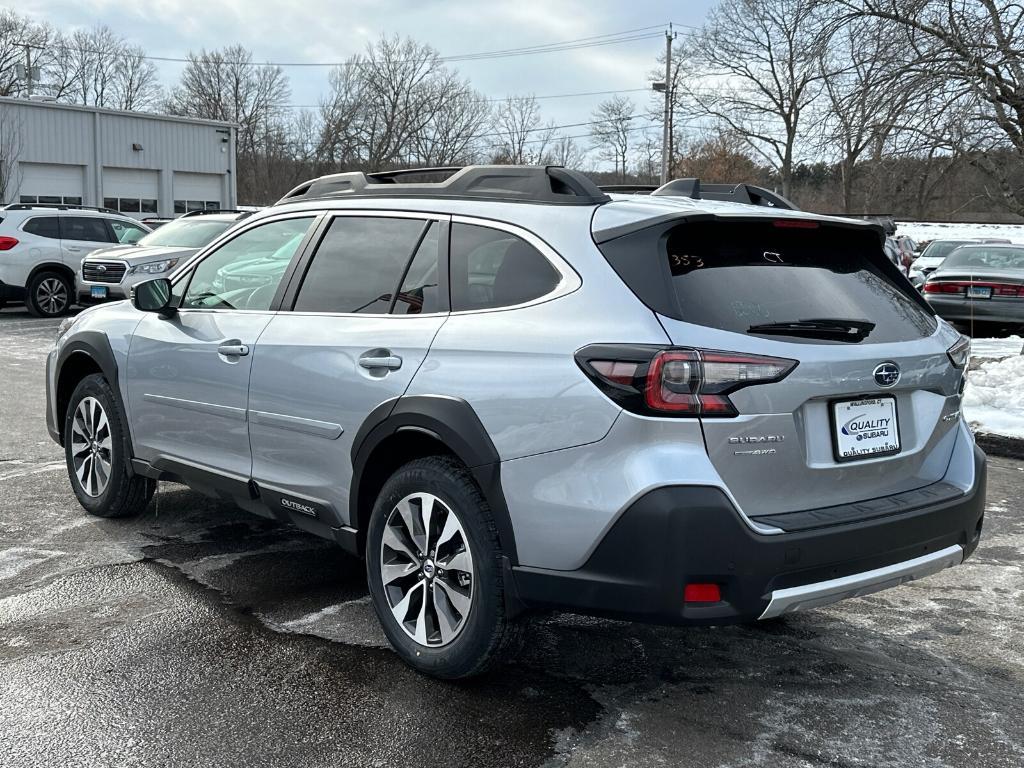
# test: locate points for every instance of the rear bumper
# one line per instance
(11, 292)
(994, 310)
(678, 535)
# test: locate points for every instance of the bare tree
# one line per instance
(451, 135)
(99, 68)
(566, 152)
(610, 133)
(227, 85)
(755, 68)
(17, 31)
(869, 89)
(648, 158)
(516, 121)
(976, 49)
(10, 150)
(719, 157)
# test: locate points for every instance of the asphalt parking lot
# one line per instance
(198, 635)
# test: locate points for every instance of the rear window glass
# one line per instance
(751, 274)
(738, 275)
(989, 258)
(940, 249)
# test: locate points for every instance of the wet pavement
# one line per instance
(198, 635)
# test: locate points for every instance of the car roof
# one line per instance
(622, 211)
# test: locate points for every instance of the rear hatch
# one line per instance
(868, 407)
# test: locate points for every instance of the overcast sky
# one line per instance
(331, 31)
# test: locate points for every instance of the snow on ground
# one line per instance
(997, 348)
(921, 230)
(994, 399)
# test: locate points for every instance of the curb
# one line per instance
(1000, 445)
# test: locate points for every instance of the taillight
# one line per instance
(677, 381)
(944, 288)
(959, 288)
(6, 243)
(960, 352)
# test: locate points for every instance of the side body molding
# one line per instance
(453, 422)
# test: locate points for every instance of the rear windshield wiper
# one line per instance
(831, 328)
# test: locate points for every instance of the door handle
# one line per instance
(233, 350)
(73, 248)
(391, 362)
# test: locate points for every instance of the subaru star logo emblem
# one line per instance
(887, 374)
(101, 268)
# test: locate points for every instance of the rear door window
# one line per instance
(85, 228)
(739, 275)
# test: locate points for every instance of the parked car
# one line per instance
(109, 273)
(511, 392)
(42, 247)
(980, 283)
(934, 254)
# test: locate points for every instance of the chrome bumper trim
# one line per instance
(858, 584)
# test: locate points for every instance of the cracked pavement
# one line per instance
(198, 635)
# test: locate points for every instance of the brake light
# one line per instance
(6, 243)
(960, 287)
(944, 287)
(795, 224)
(679, 382)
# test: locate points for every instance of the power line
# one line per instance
(611, 38)
(519, 96)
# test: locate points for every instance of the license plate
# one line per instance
(98, 291)
(865, 428)
(979, 292)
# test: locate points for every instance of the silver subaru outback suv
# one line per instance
(511, 391)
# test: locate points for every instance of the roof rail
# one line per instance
(628, 189)
(58, 207)
(511, 183)
(208, 211)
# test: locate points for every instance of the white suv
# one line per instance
(42, 247)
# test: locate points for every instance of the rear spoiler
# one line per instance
(747, 194)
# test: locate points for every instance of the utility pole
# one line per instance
(666, 132)
(28, 69)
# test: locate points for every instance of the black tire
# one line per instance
(124, 494)
(488, 636)
(49, 294)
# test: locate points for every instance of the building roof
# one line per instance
(116, 112)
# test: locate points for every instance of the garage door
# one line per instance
(46, 183)
(131, 191)
(196, 191)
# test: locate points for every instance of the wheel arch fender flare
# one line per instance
(96, 346)
(452, 422)
(52, 266)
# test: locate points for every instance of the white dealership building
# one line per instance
(137, 163)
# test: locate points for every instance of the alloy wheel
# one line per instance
(426, 567)
(91, 446)
(52, 296)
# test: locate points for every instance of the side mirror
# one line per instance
(153, 296)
